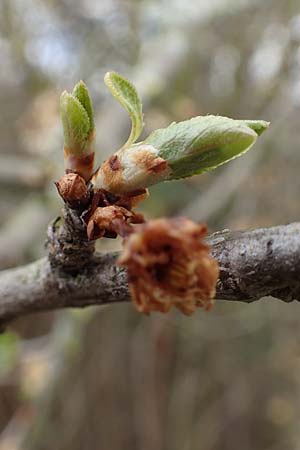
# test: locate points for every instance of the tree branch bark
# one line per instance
(253, 264)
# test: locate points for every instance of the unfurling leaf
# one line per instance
(81, 92)
(203, 143)
(78, 125)
(181, 150)
(127, 96)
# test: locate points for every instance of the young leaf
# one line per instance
(127, 96)
(203, 143)
(76, 123)
(77, 119)
(181, 150)
(81, 92)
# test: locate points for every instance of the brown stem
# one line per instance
(258, 263)
(253, 264)
(69, 249)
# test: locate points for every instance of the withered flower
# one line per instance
(168, 264)
(73, 189)
(110, 221)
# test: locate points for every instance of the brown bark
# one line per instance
(253, 264)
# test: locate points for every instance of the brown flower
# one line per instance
(169, 264)
(110, 221)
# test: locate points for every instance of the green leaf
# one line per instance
(204, 143)
(81, 92)
(76, 123)
(127, 96)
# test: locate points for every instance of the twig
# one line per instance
(254, 264)
(258, 263)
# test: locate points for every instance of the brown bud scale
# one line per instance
(73, 189)
(114, 162)
(109, 221)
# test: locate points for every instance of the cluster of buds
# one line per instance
(168, 262)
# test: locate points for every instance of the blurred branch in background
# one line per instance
(24, 172)
(21, 232)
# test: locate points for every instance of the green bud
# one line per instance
(78, 126)
(81, 92)
(76, 123)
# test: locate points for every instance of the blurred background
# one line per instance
(108, 378)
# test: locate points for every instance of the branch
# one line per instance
(258, 263)
(254, 264)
